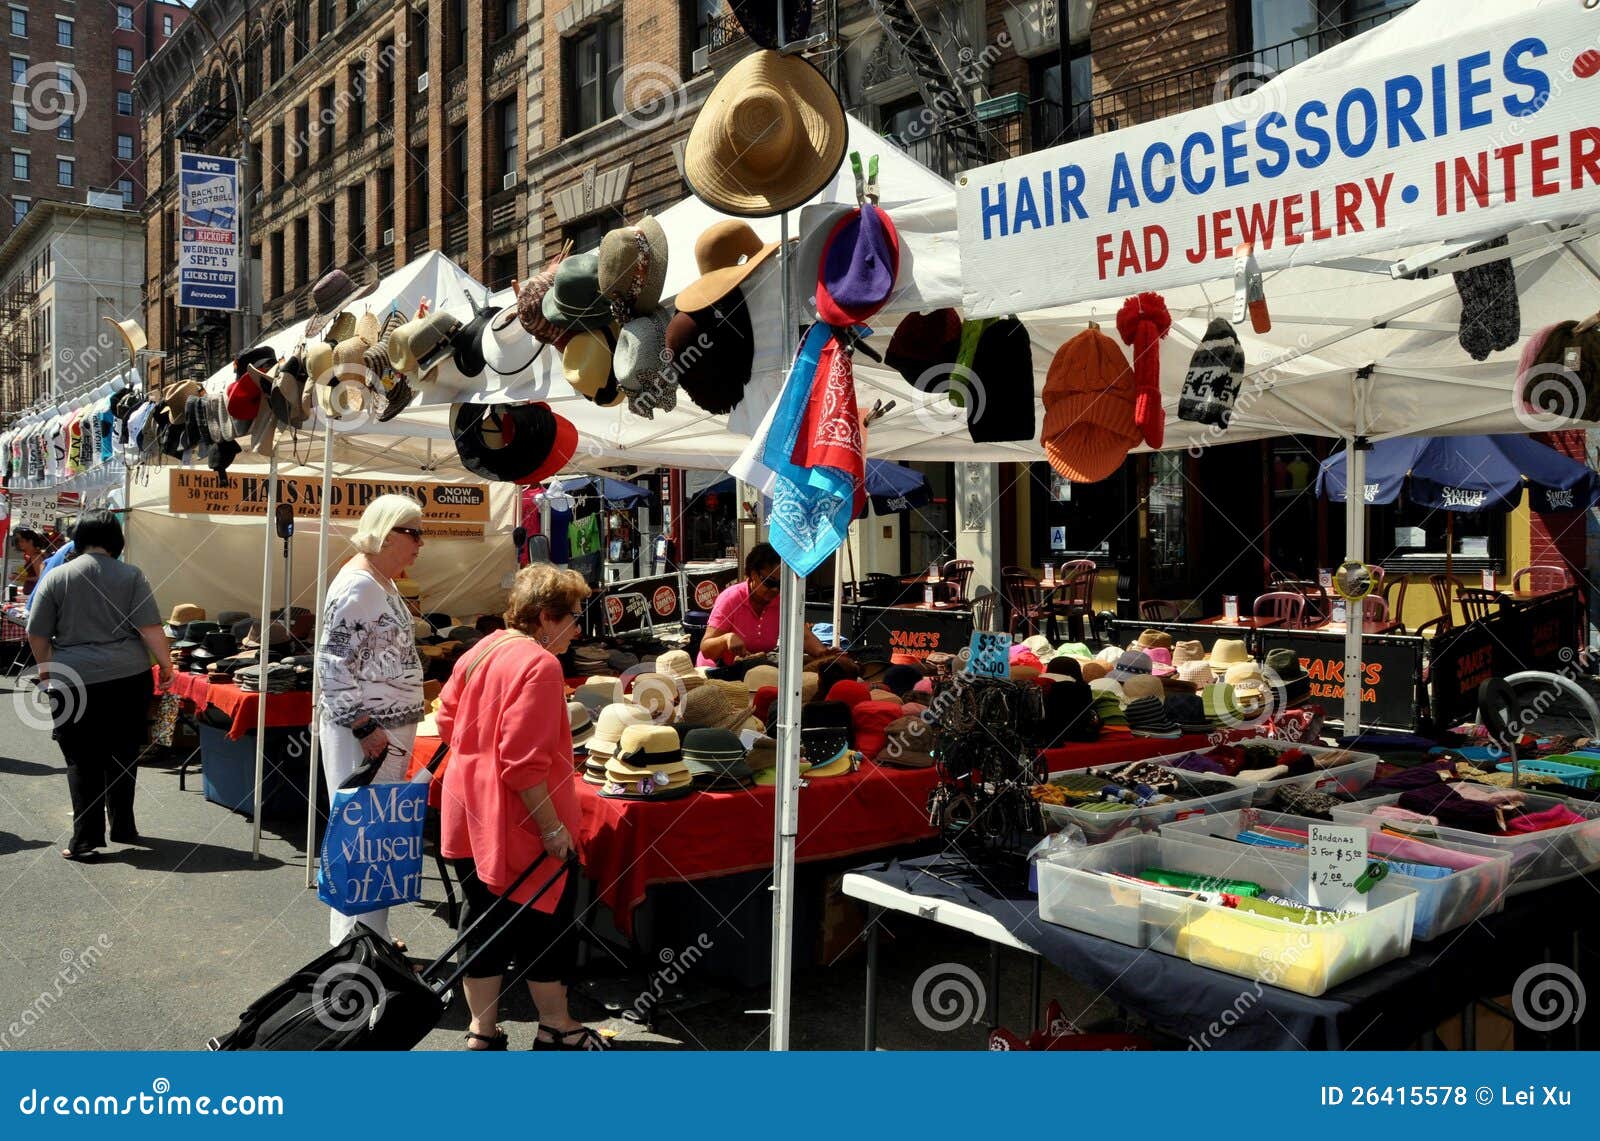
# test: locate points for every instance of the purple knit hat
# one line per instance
(856, 276)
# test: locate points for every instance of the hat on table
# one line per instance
(597, 692)
(1227, 652)
(1287, 676)
(648, 764)
(1189, 711)
(656, 693)
(1152, 638)
(1064, 666)
(1189, 660)
(759, 677)
(1142, 685)
(715, 759)
(763, 752)
(870, 721)
(185, 612)
(1147, 717)
(1094, 671)
(1248, 682)
(1160, 661)
(581, 722)
(908, 743)
(901, 679)
(850, 692)
(1024, 664)
(609, 725)
(678, 664)
(717, 705)
(1108, 706)
(1132, 663)
(825, 728)
(228, 617)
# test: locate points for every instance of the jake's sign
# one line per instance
(449, 510)
(1449, 135)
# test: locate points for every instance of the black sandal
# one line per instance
(582, 1038)
(496, 1041)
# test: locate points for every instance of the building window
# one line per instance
(124, 18)
(585, 236)
(125, 147)
(327, 17)
(458, 32)
(275, 278)
(302, 29)
(19, 118)
(125, 103)
(506, 118)
(302, 250)
(19, 210)
(166, 26)
(356, 238)
(458, 172)
(325, 119)
(275, 43)
(1057, 119)
(302, 134)
(66, 173)
(125, 187)
(385, 65)
(385, 199)
(1282, 33)
(706, 14)
(64, 31)
(65, 129)
(510, 16)
(125, 60)
(358, 100)
(591, 73)
(19, 69)
(19, 165)
(419, 196)
(324, 238)
(419, 39)
(19, 22)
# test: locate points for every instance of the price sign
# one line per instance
(989, 655)
(1338, 858)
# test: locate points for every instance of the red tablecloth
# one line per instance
(1119, 750)
(629, 844)
(284, 710)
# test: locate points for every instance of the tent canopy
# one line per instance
(1466, 473)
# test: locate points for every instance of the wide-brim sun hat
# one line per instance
(508, 349)
(516, 443)
(771, 134)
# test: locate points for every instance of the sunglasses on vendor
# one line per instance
(769, 581)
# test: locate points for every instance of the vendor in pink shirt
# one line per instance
(744, 620)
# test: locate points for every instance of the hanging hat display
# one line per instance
(859, 264)
(466, 343)
(771, 134)
(633, 266)
(1088, 408)
(1216, 372)
(574, 300)
(1491, 315)
(726, 253)
(586, 364)
(712, 351)
(530, 304)
(508, 350)
(329, 295)
(1000, 407)
(1141, 322)
(925, 345)
(516, 443)
(640, 365)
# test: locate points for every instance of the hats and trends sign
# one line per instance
(1458, 132)
(208, 238)
(449, 510)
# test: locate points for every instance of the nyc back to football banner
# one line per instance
(1451, 135)
(208, 238)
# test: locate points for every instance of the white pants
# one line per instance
(341, 753)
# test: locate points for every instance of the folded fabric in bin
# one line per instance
(1222, 940)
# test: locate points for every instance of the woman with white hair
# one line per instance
(367, 656)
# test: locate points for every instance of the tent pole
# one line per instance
(838, 590)
(316, 671)
(791, 662)
(268, 534)
(1355, 539)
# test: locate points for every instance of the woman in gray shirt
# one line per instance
(94, 626)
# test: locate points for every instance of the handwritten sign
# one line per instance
(989, 655)
(1338, 858)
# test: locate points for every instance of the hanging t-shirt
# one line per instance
(560, 548)
(583, 536)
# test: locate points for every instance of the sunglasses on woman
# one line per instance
(770, 582)
(412, 533)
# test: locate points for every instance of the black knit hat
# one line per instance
(713, 350)
(924, 341)
(1003, 367)
(1491, 317)
(1215, 373)
(1069, 713)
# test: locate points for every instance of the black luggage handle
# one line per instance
(570, 865)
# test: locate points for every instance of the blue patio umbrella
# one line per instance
(891, 489)
(1466, 473)
(613, 491)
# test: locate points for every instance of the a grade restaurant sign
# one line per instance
(449, 510)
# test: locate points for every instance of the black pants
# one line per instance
(101, 729)
(538, 946)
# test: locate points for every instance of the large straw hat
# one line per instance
(771, 134)
(1227, 652)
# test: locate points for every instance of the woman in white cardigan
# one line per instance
(367, 656)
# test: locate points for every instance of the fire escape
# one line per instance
(18, 354)
(942, 93)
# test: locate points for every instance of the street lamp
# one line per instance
(247, 315)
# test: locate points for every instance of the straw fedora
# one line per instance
(330, 294)
(1227, 652)
(319, 361)
(726, 253)
(633, 265)
(132, 334)
(586, 364)
(771, 134)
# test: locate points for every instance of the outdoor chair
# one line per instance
(1288, 606)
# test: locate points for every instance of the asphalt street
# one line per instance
(160, 946)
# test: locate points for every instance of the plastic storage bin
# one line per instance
(1578, 776)
(1344, 781)
(1274, 952)
(1442, 904)
(1098, 827)
(1538, 859)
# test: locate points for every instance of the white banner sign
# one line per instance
(1454, 136)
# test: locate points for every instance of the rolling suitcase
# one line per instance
(362, 994)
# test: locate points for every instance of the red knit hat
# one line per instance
(1142, 322)
(850, 691)
(871, 719)
(766, 698)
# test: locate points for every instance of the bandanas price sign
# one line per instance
(208, 232)
(449, 510)
(1448, 136)
(1338, 862)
